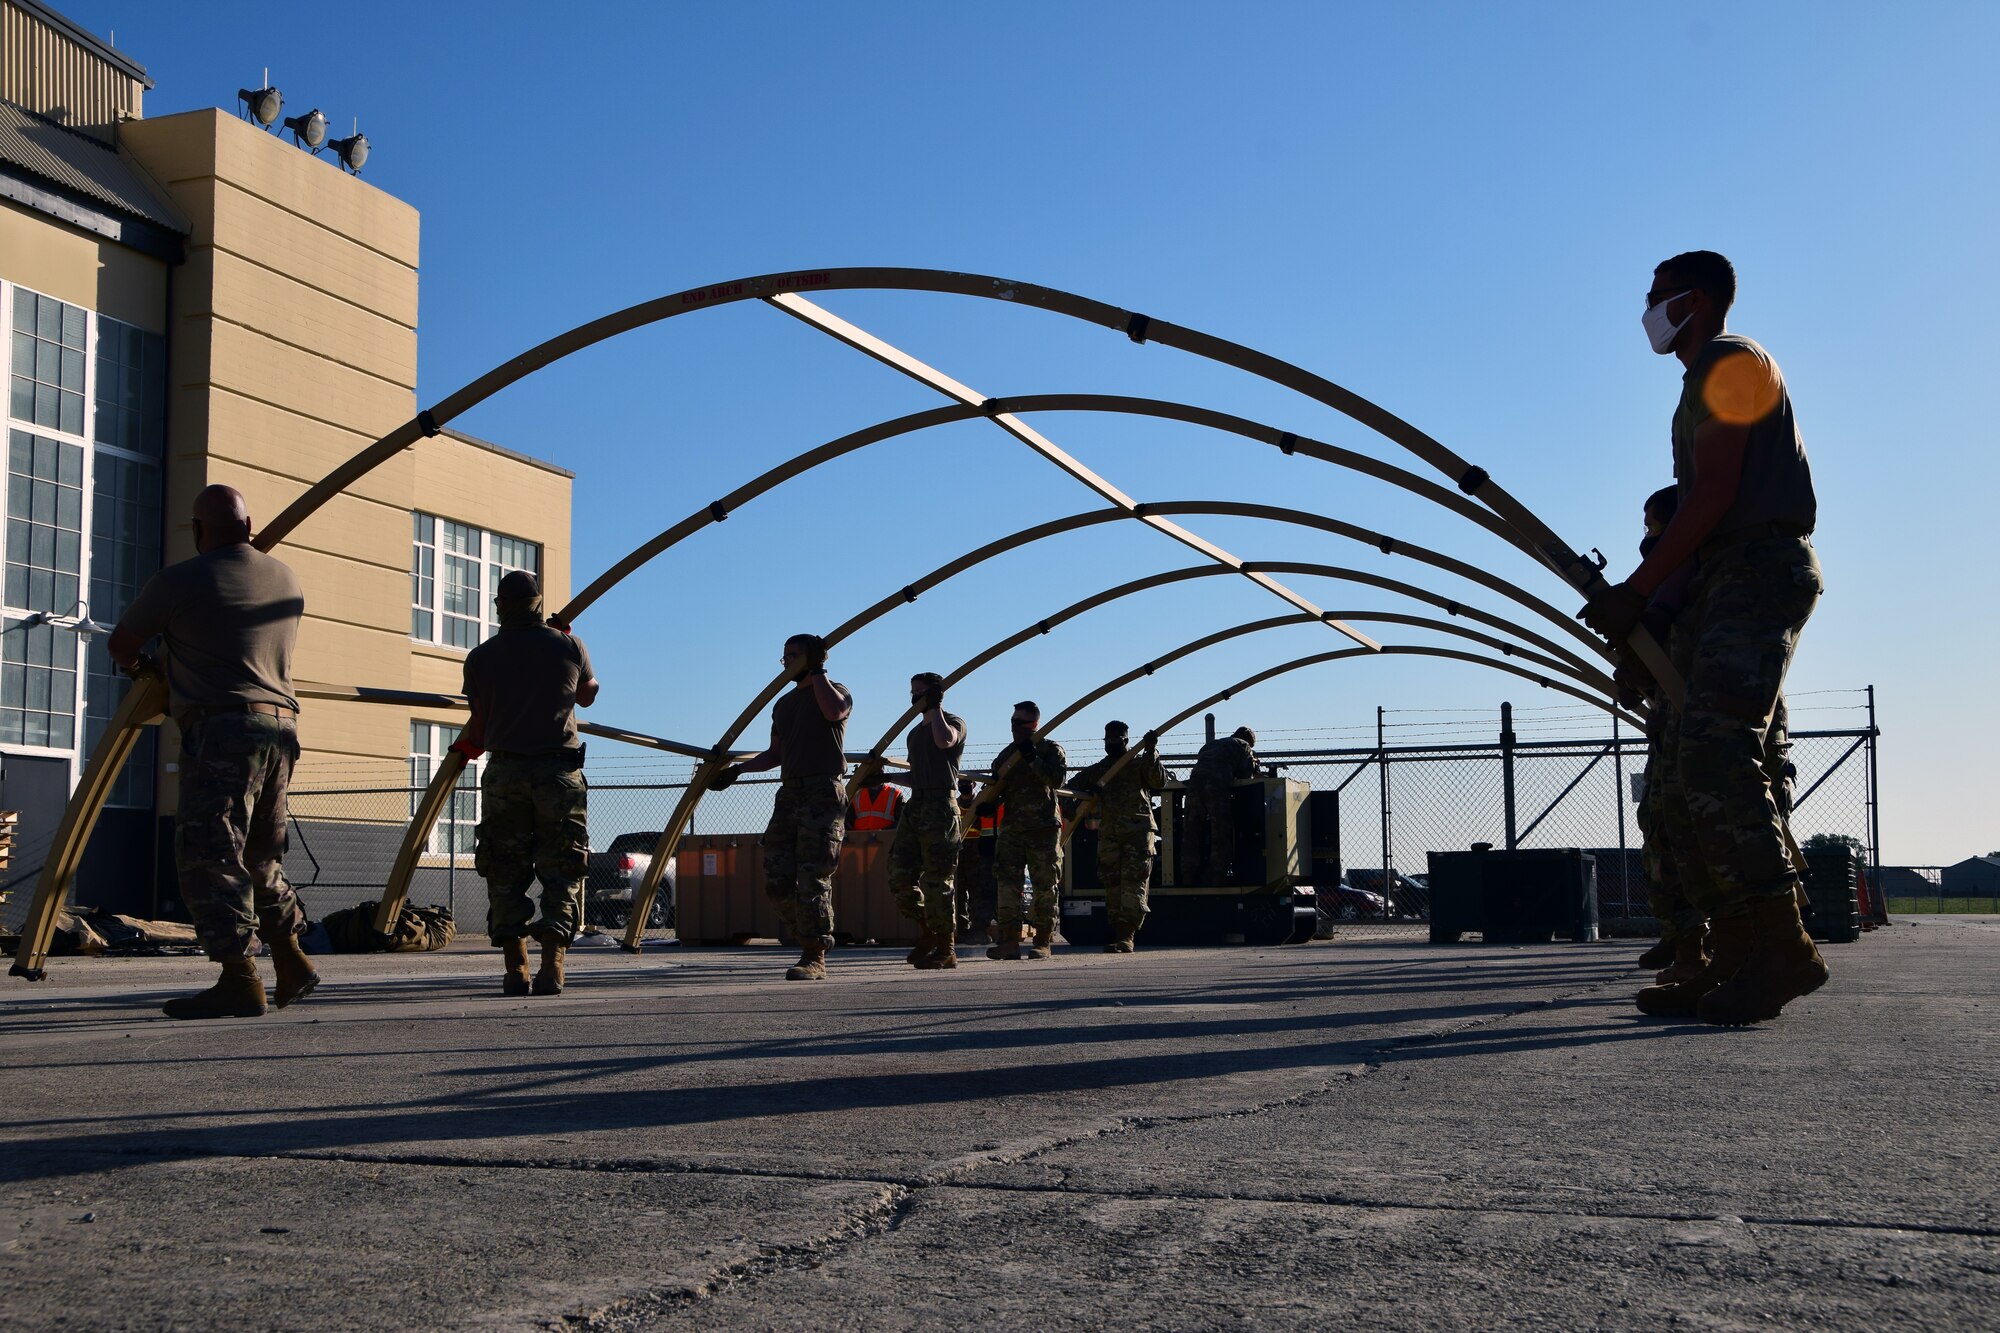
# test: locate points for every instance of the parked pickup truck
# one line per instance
(615, 872)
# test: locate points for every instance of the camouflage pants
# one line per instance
(533, 824)
(923, 859)
(973, 884)
(229, 829)
(1208, 827)
(1038, 852)
(1666, 865)
(801, 852)
(1125, 850)
(1733, 644)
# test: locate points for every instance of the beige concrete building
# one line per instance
(192, 299)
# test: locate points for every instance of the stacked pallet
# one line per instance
(10, 823)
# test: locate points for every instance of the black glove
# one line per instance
(143, 666)
(725, 777)
(1632, 681)
(1615, 612)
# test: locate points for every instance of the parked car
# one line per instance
(1343, 902)
(1405, 896)
(615, 873)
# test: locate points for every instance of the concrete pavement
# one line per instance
(1374, 1132)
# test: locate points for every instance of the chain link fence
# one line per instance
(1428, 786)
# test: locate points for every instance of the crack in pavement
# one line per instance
(884, 1213)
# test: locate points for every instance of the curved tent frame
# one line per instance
(1300, 663)
(1596, 679)
(698, 783)
(145, 701)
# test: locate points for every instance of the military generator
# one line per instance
(1265, 897)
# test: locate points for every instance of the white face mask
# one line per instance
(1658, 331)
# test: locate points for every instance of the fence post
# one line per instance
(1208, 726)
(1874, 797)
(1507, 770)
(1618, 799)
(1382, 758)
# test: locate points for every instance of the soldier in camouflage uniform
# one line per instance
(1681, 951)
(1209, 823)
(229, 619)
(809, 817)
(973, 880)
(1026, 776)
(524, 686)
(1747, 512)
(923, 858)
(1127, 835)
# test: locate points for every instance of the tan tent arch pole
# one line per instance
(143, 704)
(1557, 555)
(1123, 404)
(1575, 665)
(430, 807)
(1400, 650)
(1193, 646)
(698, 783)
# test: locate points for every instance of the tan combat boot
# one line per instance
(1044, 935)
(1008, 950)
(1783, 965)
(514, 957)
(294, 977)
(926, 946)
(812, 961)
(1729, 940)
(944, 953)
(549, 980)
(237, 993)
(1659, 955)
(1690, 957)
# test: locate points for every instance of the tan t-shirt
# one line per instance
(230, 619)
(808, 745)
(932, 768)
(525, 679)
(1735, 380)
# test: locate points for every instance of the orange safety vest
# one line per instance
(877, 811)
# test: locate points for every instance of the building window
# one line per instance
(457, 826)
(44, 522)
(131, 390)
(454, 570)
(37, 685)
(48, 362)
(87, 416)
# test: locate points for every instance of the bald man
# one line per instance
(228, 620)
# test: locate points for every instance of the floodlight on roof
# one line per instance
(262, 105)
(352, 151)
(309, 130)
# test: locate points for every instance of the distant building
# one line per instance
(191, 299)
(1974, 877)
(1905, 881)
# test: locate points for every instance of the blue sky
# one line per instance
(1450, 209)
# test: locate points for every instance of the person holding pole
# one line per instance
(1026, 776)
(923, 858)
(808, 819)
(1747, 512)
(1127, 834)
(524, 686)
(229, 620)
